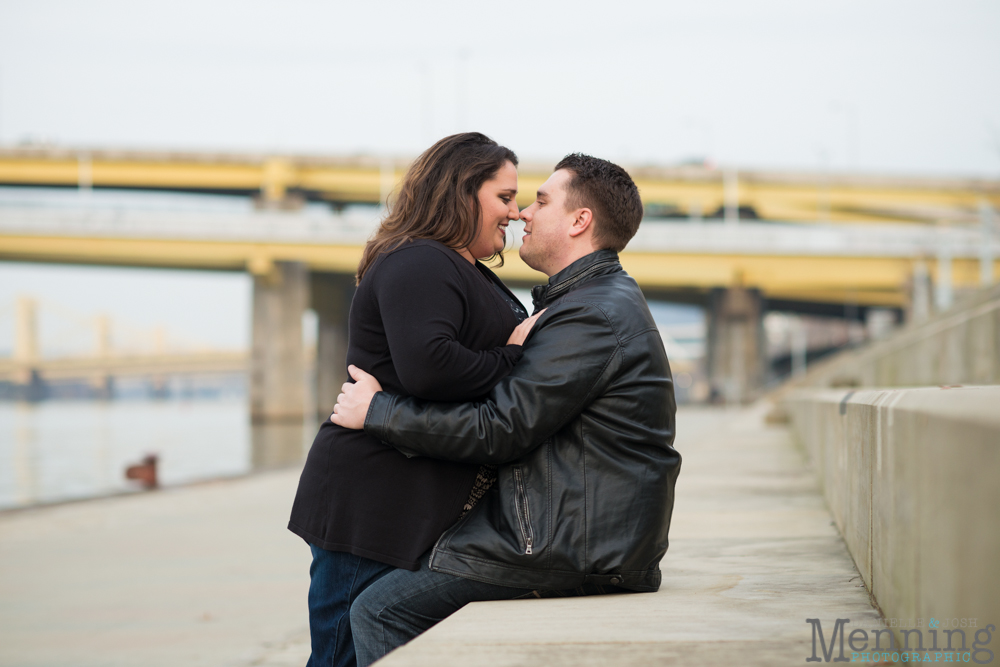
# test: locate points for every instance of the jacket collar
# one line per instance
(597, 263)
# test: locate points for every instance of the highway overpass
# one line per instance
(307, 257)
(285, 181)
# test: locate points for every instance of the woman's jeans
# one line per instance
(404, 604)
(337, 580)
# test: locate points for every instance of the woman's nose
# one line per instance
(512, 212)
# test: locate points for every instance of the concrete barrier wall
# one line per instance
(912, 478)
(959, 346)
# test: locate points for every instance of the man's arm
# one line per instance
(567, 363)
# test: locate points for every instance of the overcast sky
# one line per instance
(898, 86)
(875, 86)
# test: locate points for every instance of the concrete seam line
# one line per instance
(843, 402)
(871, 494)
(890, 417)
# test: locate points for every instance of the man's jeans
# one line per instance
(404, 604)
(337, 580)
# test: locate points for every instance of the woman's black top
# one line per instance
(428, 323)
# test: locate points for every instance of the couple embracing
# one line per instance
(482, 454)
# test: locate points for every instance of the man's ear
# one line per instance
(584, 221)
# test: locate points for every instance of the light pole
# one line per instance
(850, 113)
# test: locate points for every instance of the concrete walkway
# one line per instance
(207, 575)
(201, 575)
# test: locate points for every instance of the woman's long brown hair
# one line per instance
(439, 197)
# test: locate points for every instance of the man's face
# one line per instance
(547, 224)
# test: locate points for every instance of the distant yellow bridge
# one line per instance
(125, 365)
(678, 192)
(865, 281)
(867, 243)
(28, 365)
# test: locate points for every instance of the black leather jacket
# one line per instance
(583, 428)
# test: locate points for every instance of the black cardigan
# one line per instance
(427, 323)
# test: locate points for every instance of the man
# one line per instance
(582, 429)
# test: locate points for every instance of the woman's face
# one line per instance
(497, 209)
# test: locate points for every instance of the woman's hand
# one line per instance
(520, 332)
(352, 405)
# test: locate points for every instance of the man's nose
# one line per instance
(526, 214)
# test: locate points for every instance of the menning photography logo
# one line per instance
(942, 640)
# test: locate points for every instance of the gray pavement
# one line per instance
(200, 575)
(208, 575)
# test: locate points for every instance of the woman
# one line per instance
(427, 320)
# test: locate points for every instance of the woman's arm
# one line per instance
(423, 304)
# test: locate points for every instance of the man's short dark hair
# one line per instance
(609, 192)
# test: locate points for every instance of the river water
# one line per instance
(66, 450)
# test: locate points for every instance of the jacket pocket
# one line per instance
(523, 513)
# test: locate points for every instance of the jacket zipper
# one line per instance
(523, 520)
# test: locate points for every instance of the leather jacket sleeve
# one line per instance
(568, 359)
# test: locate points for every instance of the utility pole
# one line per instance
(943, 292)
(426, 104)
(462, 92)
(84, 174)
(731, 196)
(799, 346)
(920, 293)
(986, 250)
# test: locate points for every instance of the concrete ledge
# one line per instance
(911, 478)
(753, 553)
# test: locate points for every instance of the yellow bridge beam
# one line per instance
(677, 191)
(874, 281)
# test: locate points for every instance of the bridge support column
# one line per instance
(331, 296)
(28, 385)
(986, 252)
(919, 303)
(736, 353)
(102, 381)
(277, 363)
